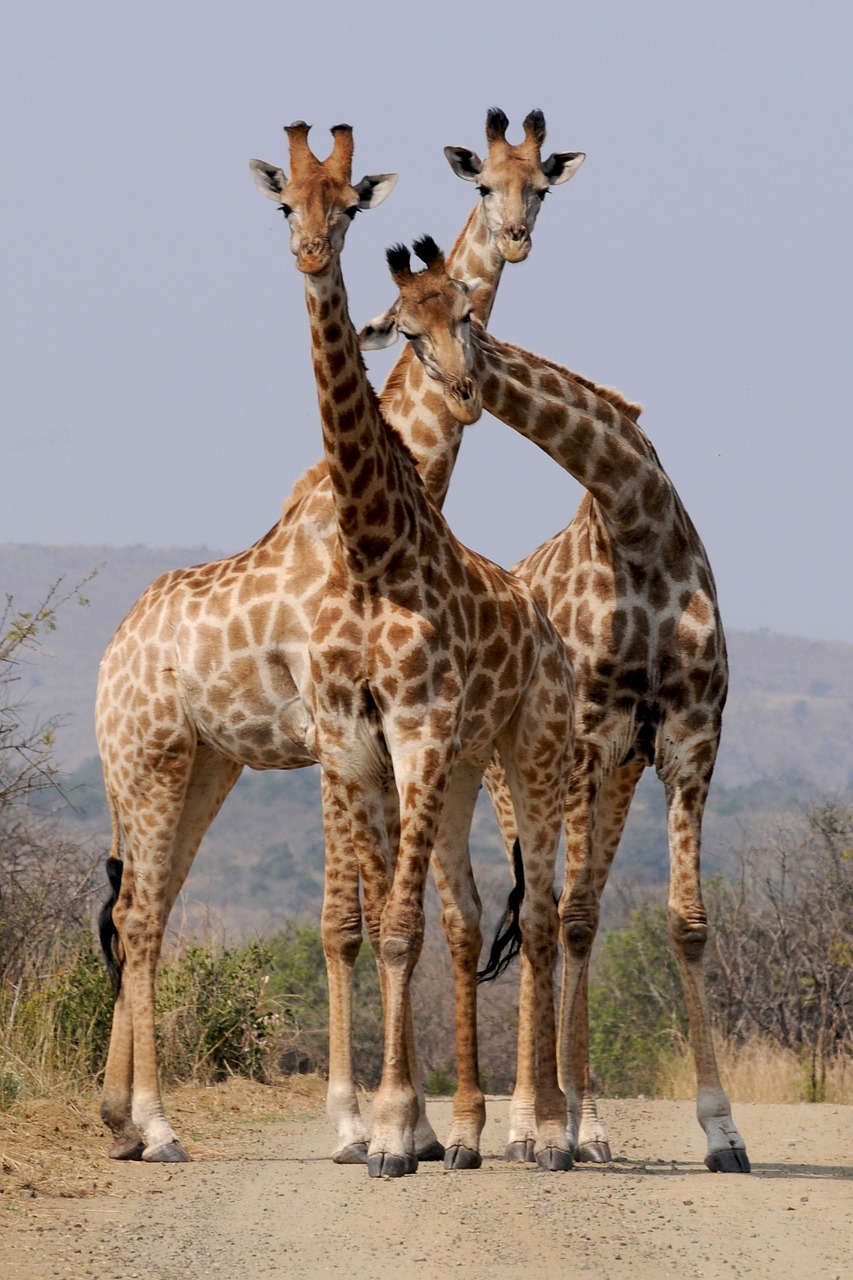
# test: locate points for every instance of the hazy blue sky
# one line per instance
(156, 383)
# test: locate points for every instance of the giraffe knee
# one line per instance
(342, 943)
(578, 937)
(579, 924)
(688, 937)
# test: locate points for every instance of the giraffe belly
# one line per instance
(263, 726)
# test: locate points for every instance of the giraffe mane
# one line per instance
(396, 378)
(307, 482)
(631, 408)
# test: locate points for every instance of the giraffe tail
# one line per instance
(507, 940)
(107, 931)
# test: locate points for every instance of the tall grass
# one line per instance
(758, 1071)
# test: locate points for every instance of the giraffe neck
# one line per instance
(368, 471)
(410, 400)
(589, 431)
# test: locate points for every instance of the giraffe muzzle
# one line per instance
(314, 256)
(515, 242)
(465, 400)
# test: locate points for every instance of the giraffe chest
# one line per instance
(402, 669)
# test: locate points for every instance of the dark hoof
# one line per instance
(522, 1152)
(555, 1159)
(728, 1160)
(355, 1153)
(435, 1151)
(169, 1153)
(384, 1165)
(460, 1157)
(127, 1149)
(594, 1153)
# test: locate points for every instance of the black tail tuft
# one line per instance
(507, 943)
(107, 931)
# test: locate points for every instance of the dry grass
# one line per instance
(58, 1146)
(758, 1072)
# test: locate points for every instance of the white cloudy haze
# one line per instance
(156, 382)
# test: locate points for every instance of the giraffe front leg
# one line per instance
(395, 1110)
(392, 1153)
(521, 1139)
(428, 1148)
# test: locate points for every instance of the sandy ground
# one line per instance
(262, 1199)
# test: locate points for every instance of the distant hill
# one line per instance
(788, 733)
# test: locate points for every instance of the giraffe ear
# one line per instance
(268, 178)
(464, 163)
(379, 333)
(562, 165)
(374, 188)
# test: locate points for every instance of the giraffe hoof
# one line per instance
(555, 1159)
(522, 1152)
(384, 1165)
(435, 1151)
(728, 1160)
(459, 1157)
(127, 1149)
(169, 1153)
(355, 1153)
(594, 1153)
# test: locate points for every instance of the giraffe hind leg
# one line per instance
(184, 799)
(686, 791)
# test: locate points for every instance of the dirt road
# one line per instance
(262, 1200)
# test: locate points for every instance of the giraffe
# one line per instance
(629, 587)
(208, 673)
(425, 659)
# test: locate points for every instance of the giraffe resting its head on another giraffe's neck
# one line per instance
(436, 319)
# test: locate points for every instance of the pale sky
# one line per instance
(156, 385)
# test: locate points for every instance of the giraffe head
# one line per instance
(319, 199)
(433, 312)
(513, 180)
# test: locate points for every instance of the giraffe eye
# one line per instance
(351, 211)
(484, 191)
(286, 210)
(543, 193)
(410, 337)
